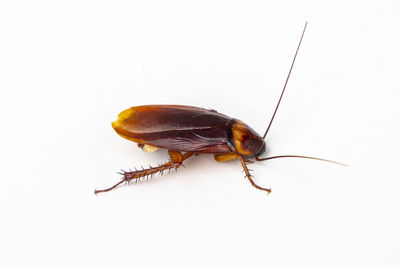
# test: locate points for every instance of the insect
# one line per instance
(186, 131)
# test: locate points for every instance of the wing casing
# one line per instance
(175, 127)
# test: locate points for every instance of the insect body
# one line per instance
(187, 130)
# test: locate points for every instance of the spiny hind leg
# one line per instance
(249, 176)
(175, 162)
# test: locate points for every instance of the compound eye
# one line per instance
(245, 140)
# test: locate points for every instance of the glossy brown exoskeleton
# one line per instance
(187, 130)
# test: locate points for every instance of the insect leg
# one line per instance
(248, 175)
(229, 157)
(176, 161)
(226, 157)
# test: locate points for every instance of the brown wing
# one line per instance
(180, 128)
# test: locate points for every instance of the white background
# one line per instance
(67, 68)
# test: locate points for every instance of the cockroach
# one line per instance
(187, 130)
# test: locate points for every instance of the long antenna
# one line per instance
(302, 157)
(287, 79)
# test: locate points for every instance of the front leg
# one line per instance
(248, 175)
(229, 157)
